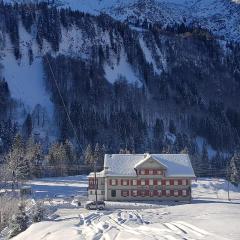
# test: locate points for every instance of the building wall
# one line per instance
(158, 191)
(150, 181)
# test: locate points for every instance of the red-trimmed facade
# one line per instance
(144, 183)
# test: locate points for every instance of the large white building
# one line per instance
(129, 177)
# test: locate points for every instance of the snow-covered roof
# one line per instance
(123, 164)
(98, 174)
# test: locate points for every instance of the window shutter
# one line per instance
(155, 182)
(128, 182)
(171, 182)
(155, 192)
(179, 182)
(139, 182)
(180, 192)
(146, 171)
(121, 181)
(110, 182)
(163, 182)
(171, 192)
(147, 182)
(163, 192)
(147, 193)
(116, 182)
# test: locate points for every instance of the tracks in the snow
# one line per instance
(129, 223)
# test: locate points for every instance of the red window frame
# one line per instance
(133, 194)
(124, 191)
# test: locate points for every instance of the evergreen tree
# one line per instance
(19, 222)
(172, 127)
(97, 155)
(204, 165)
(88, 156)
(234, 170)
(27, 127)
(70, 153)
(18, 165)
(57, 157)
(34, 156)
(38, 212)
(158, 134)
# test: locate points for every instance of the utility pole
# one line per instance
(228, 176)
(95, 182)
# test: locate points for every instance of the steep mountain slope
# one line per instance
(219, 16)
(135, 83)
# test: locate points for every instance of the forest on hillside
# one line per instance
(190, 93)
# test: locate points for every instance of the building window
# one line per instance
(91, 192)
(142, 182)
(134, 193)
(151, 193)
(175, 193)
(124, 193)
(143, 193)
(167, 182)
(114, 182)
(102, 192)
(134, 182)
(167, 193)
(124, 182)
(159, 172)
(159, 182)
(150, 172)
(184, 192)
(142, 171)
(150, 181)
(184, 182)
(91, 181)
(175, 182)
(113, 193)
(159, 193)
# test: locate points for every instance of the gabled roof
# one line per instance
(147, 158)
(123, 164)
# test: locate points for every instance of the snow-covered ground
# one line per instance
(210, 215)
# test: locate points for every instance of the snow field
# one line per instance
(209, 217)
